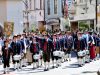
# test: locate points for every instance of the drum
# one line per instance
(36, 56)
(87, 52)
(84, 52)
(61, 54)
(41, 53)
(80, 53)
(17, 57)
(56, 53)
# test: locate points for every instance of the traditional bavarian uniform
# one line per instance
(46, 54)
(54, 49)
(57, 51)
(34, 48)
(19, 52)
(29, 54)
(6, 51)
(80, 48)
(75, 40)
(97, 44)
(70, 45)
(15, 51)
(61, 39)
(66, 47)
(25, 45)
(50, 48)
(41, 45)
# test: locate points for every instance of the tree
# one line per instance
(83, 26)
(66, 23)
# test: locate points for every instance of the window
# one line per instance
(48, 7)
(41, 4)
(55, 6)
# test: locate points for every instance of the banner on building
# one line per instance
(8, 28)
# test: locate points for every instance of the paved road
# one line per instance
(67, 68)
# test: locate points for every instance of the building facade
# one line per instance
(35, 14)
(16, 11)
(83, 9)
(11, 11)
(53, 13)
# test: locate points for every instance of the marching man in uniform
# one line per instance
(98, 45)
(34, 48)
(56, 51)
(14, 50)
(46, 54)
(6, 51)
(69, 44)
(17, 50)
(65, 47)
(80, 48)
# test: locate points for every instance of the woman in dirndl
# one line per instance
(92, 47)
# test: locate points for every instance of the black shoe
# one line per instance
(12, 69)
(66, 60)
(45, 69)
(98, 73)
(29, 63)
(4, 72)
(79, 65)
(56, 66)
(38, 66)
(23, 66)
(7, 72)
(53, 66)
(33, 68)
(59, 65)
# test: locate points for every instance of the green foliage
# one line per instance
(67, 27)
(66, 24)
(83, 26)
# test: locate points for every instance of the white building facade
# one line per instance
(11, 11)
(14, 11)
(35, 15)
(84, 10)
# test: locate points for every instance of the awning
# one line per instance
(53, 21)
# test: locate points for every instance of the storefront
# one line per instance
(53, 24)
